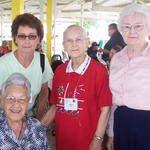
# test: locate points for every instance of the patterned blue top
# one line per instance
(34, 137)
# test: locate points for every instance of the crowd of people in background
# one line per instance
(98, 95)
(4, 49)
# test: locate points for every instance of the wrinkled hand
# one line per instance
(110, 143)
(95, 145)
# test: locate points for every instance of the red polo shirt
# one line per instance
(75, 129)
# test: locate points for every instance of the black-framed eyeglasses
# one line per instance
(23, 37)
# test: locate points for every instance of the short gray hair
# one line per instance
(75, 26)
(16, 79)
(135, 8)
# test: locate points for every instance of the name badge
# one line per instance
(70, 103)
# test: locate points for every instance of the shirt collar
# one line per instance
(81, 69)
(124, 52)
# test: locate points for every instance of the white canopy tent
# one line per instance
(68, 11)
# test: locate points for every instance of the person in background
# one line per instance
(95, 54)
(27, 32)
(4, 49)
(92, 51)
(115, 39)
(56, 60)
(100, 44)
(18, 130)
(39, 48)
(112, 52)
(80, 96)
(130, 82)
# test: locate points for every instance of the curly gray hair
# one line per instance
(16, 79)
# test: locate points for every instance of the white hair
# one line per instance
(16, 79)
(76, 26)
(135, 8)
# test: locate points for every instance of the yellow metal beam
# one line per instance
(49, 16)
(17, 8)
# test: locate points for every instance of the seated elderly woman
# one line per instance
(17, 130)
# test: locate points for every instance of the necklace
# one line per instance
(75, 90)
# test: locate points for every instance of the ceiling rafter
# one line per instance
(71, 7)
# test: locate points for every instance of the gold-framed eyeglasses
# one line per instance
(23, 37)
(20, 100)
(128, 27)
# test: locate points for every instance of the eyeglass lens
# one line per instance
(23, 37)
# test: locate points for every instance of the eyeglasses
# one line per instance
(77, 41)
(23, 37)
(12, 99)
(128, 27)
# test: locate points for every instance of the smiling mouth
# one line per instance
(15, 111)
(75, 50)
(26, 47)
(132, 37)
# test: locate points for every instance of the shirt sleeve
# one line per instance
(102, 87)
(47, 74)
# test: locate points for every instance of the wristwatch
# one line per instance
(99, 138)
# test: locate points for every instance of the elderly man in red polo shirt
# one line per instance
(80, 96)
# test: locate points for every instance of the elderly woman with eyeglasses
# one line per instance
(17, 130)
(27, 33)
(130, 81)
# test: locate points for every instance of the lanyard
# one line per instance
(75, 90)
